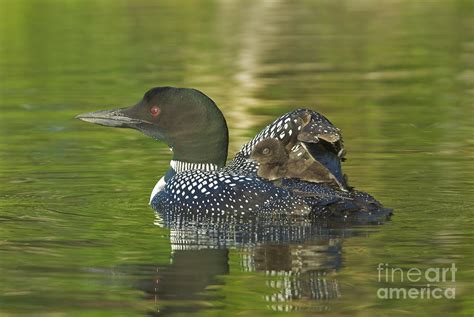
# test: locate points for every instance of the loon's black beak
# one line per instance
(118, 118)
(125, 118)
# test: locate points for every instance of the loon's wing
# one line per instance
(304, 132)
(320, 130)
(323, 141)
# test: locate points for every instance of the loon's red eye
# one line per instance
(154, 111)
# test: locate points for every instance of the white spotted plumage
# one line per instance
(235, 190)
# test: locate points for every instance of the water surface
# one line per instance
(77, 237)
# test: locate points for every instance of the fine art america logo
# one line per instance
(422, 283)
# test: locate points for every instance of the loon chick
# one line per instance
(198, 184)
(275, 163)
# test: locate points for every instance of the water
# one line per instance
(76, 235)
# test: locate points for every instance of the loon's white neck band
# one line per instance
(179, 166)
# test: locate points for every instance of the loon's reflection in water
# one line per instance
(296, 259)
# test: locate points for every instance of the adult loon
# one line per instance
(199, 185)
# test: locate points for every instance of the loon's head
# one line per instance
(269, 151)
(185, 119)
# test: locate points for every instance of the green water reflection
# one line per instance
(76, 235)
